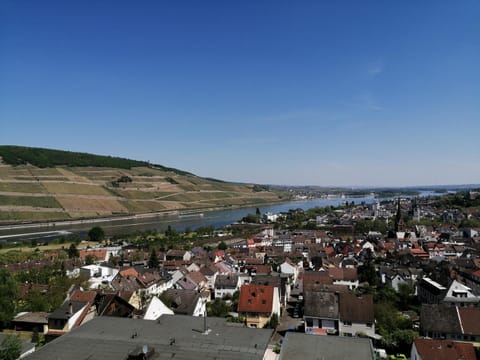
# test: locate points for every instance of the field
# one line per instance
(30, 187)
(9, 216)
(28, 193)
(51, 246)
(34, 201)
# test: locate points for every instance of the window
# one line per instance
(369, 325)
(347, 323)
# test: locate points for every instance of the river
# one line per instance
(160, 222)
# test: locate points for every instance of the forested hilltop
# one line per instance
(42, 184)
(46, 158)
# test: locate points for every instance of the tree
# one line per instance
(222, 246)
(90, 259)
(8, 295)
(96, 234)
(10, 348)
(35, 336)
(218, 308)
(153, 262)
(273, 323)
(73, 252)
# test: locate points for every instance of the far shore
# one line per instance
(51, 225)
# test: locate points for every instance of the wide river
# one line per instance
(217, 219)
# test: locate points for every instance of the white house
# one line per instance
(460, 295)
(288, 267)
(155, 309)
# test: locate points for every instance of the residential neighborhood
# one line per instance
(379, 293)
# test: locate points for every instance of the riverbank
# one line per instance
(168, 215)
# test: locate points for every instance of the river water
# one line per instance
(217, 219)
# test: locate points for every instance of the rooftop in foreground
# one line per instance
(179, 337)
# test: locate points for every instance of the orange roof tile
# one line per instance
(256, 299)
(430, 349)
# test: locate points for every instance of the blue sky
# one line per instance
(380, 93)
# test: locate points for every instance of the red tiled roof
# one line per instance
(130, 271)
(100, 254)
(263, 269)
(256, 299)
(418, 253)
(470, 320)
(356, 308)
(316, 279)
(197, 277)
(83, 296)
(430, 349)
(343, 274)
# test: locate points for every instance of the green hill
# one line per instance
(42, 184)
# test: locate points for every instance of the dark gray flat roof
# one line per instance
(303, 346)
(110, 338)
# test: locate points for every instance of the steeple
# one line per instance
(399, 223)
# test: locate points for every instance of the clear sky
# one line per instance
(316, 92)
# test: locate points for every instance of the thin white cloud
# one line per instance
(376, 67)
(368, 101)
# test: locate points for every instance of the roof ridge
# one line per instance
(459, 319)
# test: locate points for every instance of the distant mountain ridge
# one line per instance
(39, 184)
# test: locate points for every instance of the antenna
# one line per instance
(205, 321)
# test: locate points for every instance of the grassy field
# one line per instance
(33, 188)
(75, 189)
(36, 201)
(32, 215)
(52, 246)
(74, 204)
(151, 190)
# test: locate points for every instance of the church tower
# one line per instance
(399, 223)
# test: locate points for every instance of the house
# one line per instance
(344, 276)
(430, 292)
(29, 321)
(356, 315)
(155, 309)
(98, 255)
(184, 255)
(302, 346)
(98, 275)
(68, 317)
(460, 295)
(210, 272)
(170, 336)
(108, 304)
(429, 349)
(289, 268)
(185, 302)
(227, 285)
(258, 303)
(321, 312)
(199, 279)
(279, 281)
(450, 322)
(395, 276)
(342, 313)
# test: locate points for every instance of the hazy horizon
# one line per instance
(341, 94)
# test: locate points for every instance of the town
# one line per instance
(398, 278)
